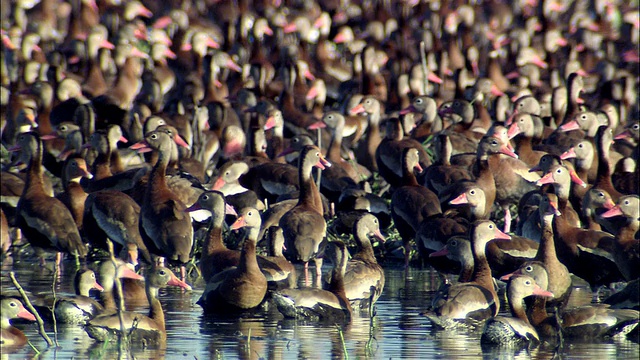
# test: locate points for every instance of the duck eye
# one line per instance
(227, 173)
(558, 171)
(205, 197)
(528, 282)
(63, 128)
(529, 268)
(626, 202)
(418, 101)
(584, 117)
(636, 126)
(250, 213)
(13, 304)
(318, 154)
(490, 226)
(161, 272)
(154, 136)
(472, 192)
(454, 243)
(494, 142)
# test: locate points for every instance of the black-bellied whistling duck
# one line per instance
(628, 246)
(561, 178)
(74, 195)
(304, 226)
(228, 184)
(391, 150)
(132, 284)
(36, 208)
(10, 336)
(430, 122)
(604, 139)
(314, 303)
(516, 330)
(111, 215)
(476, 300)
(512, 180)
(215, 256)
(244, 286)
(524, 128)
(275, 266)
(625, 176)
(364, 278)
(5, 237)
(163, 222)
(442, 174)
(142, 328)
(627, 298)
(337, 123)
(584, 155)
(411, 203)
(594, 203)
(586, 322)
(559, 282)
(76, 309)
(574, 246)
(458, 248)
(366, 155)
(474, 197)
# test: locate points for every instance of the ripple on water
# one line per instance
(397, 330)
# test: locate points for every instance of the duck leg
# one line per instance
(183, 273)
(318, 262)
(407, 253)
(507, 219)
(306, 274)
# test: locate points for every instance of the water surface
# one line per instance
(396, 331)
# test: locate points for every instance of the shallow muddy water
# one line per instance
(397, 330)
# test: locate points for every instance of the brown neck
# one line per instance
(35, 180)
(466, 273)
(517, 309)
(547, 250)
(365, 253)
(481, 269)
(155, 308)
(485, 180)
(336, 144)
(214, 240)
(538, 310)
(157, 178)
(102, 166)
(248, 261)
(309, 194)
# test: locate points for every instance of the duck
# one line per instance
(164, 225)
(76, 309)
(147, 329)
(227, 182)
(111, 215)
(318, 304)
(132, 284)
(391, 150)
(10, 336)
(515, 331)
(245, 286)
(215, 256)
(364, 277)
(36, 208)
(412, 203)
(458, 248)
(475, 301)
(74, 196)
(627, 244)
(560, 281)
(304, 226)
(275, 266)
(585, 322)
(5, 237)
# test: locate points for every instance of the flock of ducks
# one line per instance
(160, 126)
